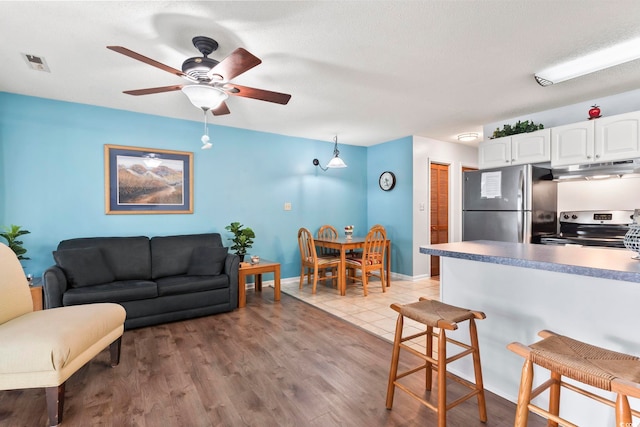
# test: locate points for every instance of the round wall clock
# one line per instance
(387, 180)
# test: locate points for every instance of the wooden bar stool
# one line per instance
(435, 314)
(585, 363)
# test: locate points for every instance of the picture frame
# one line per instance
(147, 180)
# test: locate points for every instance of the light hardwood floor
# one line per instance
(271, 364)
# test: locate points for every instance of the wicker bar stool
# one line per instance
(435, 314)
(595, 366)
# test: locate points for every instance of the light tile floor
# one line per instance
(372, 312)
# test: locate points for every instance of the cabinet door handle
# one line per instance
(588, 157)
(597, 156)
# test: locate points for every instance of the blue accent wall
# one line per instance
(393, 208)
(52, 179)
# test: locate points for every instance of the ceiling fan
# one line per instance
(209, 79)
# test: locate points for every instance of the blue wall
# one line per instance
(52, 180)
(393, 208)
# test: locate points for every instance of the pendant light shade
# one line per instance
(336, 162)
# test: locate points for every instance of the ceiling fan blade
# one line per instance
(153, 62)
(261, 94)
(233, 65)
(153, 90)
(221, 109)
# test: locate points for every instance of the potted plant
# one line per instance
(242, 238)
(11, 234)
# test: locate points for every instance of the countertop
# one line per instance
(616, 264)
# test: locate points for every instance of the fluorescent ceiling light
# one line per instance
(596, 61)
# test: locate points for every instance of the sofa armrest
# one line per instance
(231, 267)
(54, 284)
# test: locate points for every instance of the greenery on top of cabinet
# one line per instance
(519, 127)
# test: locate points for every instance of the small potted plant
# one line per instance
(11, 234)
(242, 238)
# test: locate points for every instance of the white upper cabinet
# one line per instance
(594, 141)
(494, 153)
(572, 144)
(617, 137)
(532, 147)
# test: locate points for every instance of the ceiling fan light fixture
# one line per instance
(469, 136)
(204, 96)
(596, 61)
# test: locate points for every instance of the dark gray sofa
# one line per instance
(157, 280)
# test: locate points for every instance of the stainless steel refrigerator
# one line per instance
(509, 204)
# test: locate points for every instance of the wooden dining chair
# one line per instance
(371, 259)
(328, 232)
(311, 264)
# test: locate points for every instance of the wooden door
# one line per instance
(439, 210)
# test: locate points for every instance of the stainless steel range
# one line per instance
(592, 228)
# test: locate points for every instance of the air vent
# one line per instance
(37, 63)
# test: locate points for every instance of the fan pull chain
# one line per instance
(205, 138)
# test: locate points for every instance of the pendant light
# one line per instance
(336, 162)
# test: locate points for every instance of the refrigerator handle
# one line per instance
(521, 190)
(521, 232)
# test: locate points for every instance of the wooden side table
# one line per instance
(264, 266)
(36, 293)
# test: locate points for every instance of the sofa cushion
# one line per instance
(84, 267)
(129, 258)
(207, 261)
(188, 284)
(128, 290)
(171, 255)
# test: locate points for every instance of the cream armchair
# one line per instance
(44, 348)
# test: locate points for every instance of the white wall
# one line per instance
(610, 194)
(425, 151)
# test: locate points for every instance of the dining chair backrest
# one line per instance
(379, 226)
(307, 246)
(374, 246)
(328, 232)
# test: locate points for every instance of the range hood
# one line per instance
(615, 169)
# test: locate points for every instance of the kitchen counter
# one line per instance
(587, 293)
(607, 263)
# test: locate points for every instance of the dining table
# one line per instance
(345, 244)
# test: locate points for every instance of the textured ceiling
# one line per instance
(367, 71)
